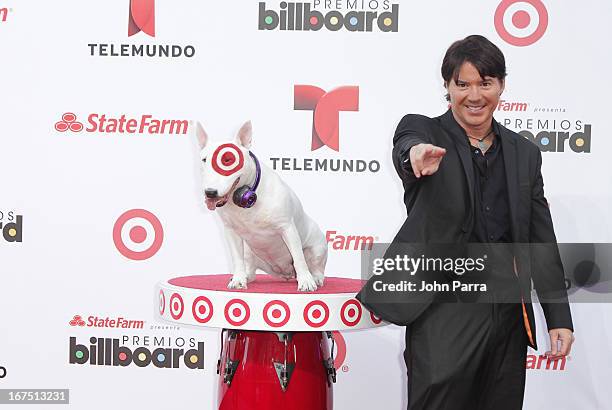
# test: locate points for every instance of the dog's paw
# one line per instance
(318, 278)
(237, 282)
(307, 284)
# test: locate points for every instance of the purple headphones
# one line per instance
(245, 196)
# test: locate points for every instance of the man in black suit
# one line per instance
(467, 179)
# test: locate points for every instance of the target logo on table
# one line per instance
(375, 319)
(316, 313)
(202, 309)
(521, 22)
(237, 312)
(162, 302)
(227, 159)
(138, 234)
(276, 313)
(176, 306)
(350, 313)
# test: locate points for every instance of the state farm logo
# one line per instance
(325, 107)
(4, 12)
(11, 226)
(521, 22)
(504, 105)
(364, 16)
(141, 18)
(108, 322)
(138, 234)
(543, 362)
(103, 123)
(325, 129)
(349, 242)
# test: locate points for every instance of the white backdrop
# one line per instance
(71, 187)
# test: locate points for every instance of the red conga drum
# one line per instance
(269, 370)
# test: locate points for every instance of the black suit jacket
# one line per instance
(440, 209)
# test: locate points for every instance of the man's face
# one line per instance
(474, 99)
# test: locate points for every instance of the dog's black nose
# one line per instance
(210, 193)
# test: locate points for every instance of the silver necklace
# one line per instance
(481, 144)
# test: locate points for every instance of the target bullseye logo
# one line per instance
(237, 312)
(227, 159)
(138, 234)
(276, 313)
(176, 306)
(202, 309)
(375, 319)
(162, 302)
(350, 313)
(316, 313)
(521, 22)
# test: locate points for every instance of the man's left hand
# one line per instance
(566, 337)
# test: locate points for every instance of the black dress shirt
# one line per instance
(491, 213)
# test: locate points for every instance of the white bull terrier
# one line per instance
(265, 225)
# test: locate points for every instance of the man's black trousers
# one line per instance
(466, 356)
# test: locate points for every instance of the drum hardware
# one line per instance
(284, 370)
(220, 351)
(284, 335)
(230, 370)
(230, 365)
(329, 363)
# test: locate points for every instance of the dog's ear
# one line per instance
(245, 135)
(201, 134)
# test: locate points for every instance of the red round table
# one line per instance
(275, 351)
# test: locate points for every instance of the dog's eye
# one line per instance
(204, 160)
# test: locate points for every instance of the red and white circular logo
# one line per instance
(202, 309)
(227, 159)
(138, 234)
(276, 313)
(162, 302)
(176, 306)
(316, 313)
(350, 313)
(237, 312)
(521, 22)
(69, 122)
(340, 349)
(375, 319)
(77, 320)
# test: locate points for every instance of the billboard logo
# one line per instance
(109, 352)
(521, 22)
(325, 107)
(142, 17)
(300, 17)
(2, 372)
(11, 226)
(138, 234)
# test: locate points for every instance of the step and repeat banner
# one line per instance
(101, 195)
